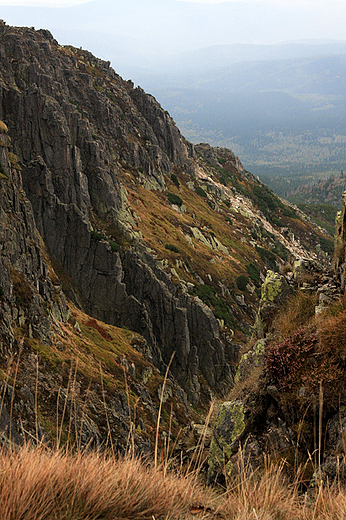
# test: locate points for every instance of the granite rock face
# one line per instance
(30, 302)
(76, 127)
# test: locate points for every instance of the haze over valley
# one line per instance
(264, 79)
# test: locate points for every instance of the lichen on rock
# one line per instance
(274, 291)
(229, 428)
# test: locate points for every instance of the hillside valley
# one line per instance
(143, 277)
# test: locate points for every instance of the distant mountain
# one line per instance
(325, 191)
(283, 117)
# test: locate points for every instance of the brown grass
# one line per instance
(265, 495)
(297, 312)
(3, 128)
(37, 485)
(332, 335)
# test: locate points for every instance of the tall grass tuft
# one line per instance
(40, 485)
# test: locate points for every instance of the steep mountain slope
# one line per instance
(142, 230)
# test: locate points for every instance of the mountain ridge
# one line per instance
(141, 229)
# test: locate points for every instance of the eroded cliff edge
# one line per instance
(74, 123)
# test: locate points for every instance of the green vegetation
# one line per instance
(208, 295)
(323, 214)
(172, 247)
(254, 273)
(267, 257)
(242, 282)
(175, 180)
(327, 245)
(96, 235)
(174, 199)
(114, 246)
(200, 191)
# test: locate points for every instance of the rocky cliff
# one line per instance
(105, 202)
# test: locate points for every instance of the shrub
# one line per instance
(242, 282)
(1, 291)
(175, 180)
(95, 235)
(21, 288)
(254, 273)
(172, 247)
(327, 245)
(298, 361)
(174, 199)
(285, 360)
(208, 295)
(200, 191)
(267, 257)
(114, 246)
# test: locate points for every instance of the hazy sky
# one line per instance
(63, 3)
(42, 3)
(138, 33)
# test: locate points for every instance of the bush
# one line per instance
(327, 245)
(242, 282)
(174, 199)
(1, 291)
(286, 361)
(254, 273)
(332, 335)
(200, 191)
(301, 361)
(114, 246)
(95, 235)
(172, 247)
(208, 295)
(267, 257)
(175, 180)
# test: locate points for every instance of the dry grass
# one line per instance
(332, 335)
(37, 485)
(297, 312)
(3, 128)
(265, 495)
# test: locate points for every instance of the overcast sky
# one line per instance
(63, 3)
(136, 34)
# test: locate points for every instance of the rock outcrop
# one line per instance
(30, 301)
(75, 126)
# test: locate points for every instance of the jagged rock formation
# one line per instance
(73, 124)
(288, 379)
(340, 243)
(29, 298)
(101, 195)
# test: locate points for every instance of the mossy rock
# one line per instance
(274, 292)
(250, 360)
(229, 427)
